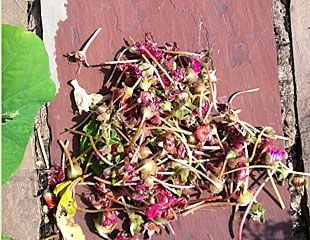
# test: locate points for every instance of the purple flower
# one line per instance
(165, 81)
(120, 237)
(274, 154)
(196, 66)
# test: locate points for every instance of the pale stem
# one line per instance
(156, 72)
(98, 153)
(171, 185)
(275, 189)
(159, 65)
(43, 149)
(66, 153)
(92, 38)
(250, 205)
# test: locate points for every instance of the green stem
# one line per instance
(256, 143)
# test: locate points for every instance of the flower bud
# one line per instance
(74, 171)
(148, 168)
(244, 198)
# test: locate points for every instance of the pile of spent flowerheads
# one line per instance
(157, 140)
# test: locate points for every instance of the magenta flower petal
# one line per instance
(153, 211)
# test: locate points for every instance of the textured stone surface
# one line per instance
(300, 20)
(20, 209)
(15, 12)
(241, 36)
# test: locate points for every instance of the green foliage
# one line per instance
(91, 128)
(26, 86)
(3, 237)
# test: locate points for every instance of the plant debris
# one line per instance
(156, 140)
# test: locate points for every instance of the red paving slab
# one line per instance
(240, 34)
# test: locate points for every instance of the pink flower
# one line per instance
(154, 211)
(119, 237)
(181, 150)
(165, 81)
(274, 154)
(109, 218)
(196, 66)
(165, 199)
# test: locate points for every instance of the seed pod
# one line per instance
(74, 171)
(244, 198)
(148, 168)
(218, 187)
(191, 75)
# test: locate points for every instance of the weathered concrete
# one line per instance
(20, 209)
(300, 21)
(15, 12)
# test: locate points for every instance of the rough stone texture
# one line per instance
(244, 55)
(285, 71)
(20, 207)
(300, 20)
(15, 12)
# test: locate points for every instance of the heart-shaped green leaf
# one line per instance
(26, 86)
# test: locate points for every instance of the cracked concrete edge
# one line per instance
(50, 20)
(300, 24)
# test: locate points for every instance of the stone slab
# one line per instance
(241, 36)
(20, 208)
(300, 24)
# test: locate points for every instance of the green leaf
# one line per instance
(91, 128)
(97, 169)
(3, 237)
(68, 203)
(258, 212)
(61, 186)
(135, 223)
(26, 86)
